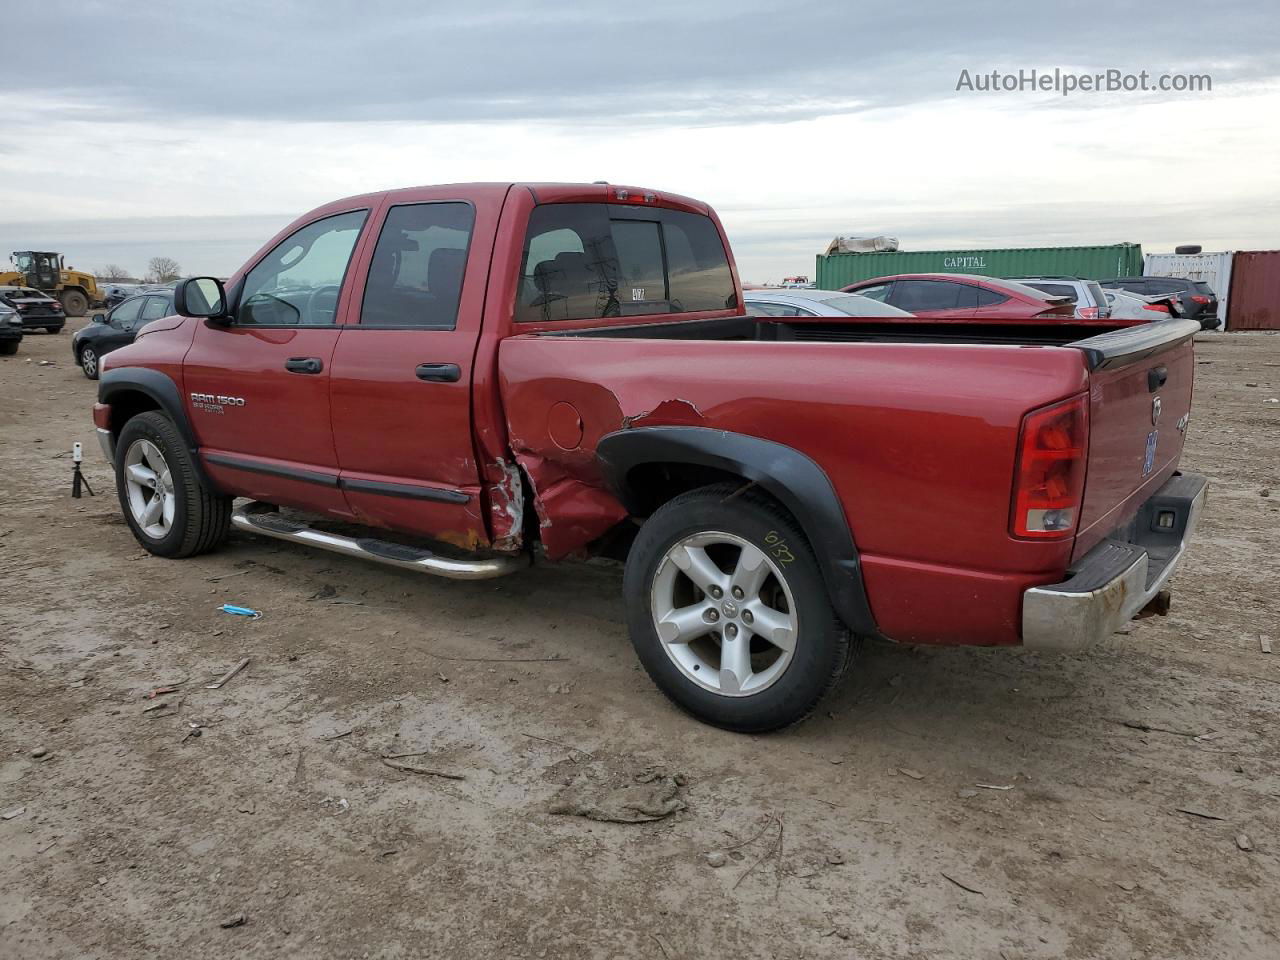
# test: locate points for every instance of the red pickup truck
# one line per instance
(458, 379)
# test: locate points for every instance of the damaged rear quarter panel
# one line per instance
(918, 440)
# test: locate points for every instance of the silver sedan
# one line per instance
(815, 303)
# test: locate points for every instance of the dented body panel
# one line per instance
(920, 463)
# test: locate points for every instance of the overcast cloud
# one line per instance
(198, 133)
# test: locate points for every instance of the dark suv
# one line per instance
(1197, 299)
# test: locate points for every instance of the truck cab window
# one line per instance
(297, 283)
(592, 260)
(415, 277)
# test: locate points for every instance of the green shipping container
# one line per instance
(1089, 263)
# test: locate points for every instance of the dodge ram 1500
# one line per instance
(458, 379)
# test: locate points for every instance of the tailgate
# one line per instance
(1139, 403)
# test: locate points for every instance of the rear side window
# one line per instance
(415, 277)
(989, 298)
(590, 260)
(916, 295)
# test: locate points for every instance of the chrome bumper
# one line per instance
(1120, 576)
(108, 444)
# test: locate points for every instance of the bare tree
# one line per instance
(113, 271)
(163, 269)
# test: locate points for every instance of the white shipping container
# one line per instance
(1213, 268)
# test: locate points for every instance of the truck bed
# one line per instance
(918, 431)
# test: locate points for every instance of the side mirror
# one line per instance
(201, 297)
(98, 318)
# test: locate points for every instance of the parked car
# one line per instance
(959, 296)
(498, 372)
(1090, 302)
(116, 328)
(10, 330)
(815, 303)
(1197, 300)
(1130, 306)
(38, 311)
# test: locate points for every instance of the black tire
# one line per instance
(201, 517)
(75, 303)
(9, 347)
(822, 648)
(90, 369)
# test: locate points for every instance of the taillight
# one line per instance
(1157, 307)
(1199, 299)
(1088, 313)
(1049, 482)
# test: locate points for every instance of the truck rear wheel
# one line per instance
(75, 303)
(169, 510)
(728, 611)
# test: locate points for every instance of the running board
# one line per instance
(255, 518)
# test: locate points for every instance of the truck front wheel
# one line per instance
(169, 510)
(728, 611)
(74, 303)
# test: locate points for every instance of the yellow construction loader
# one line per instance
(76, 289)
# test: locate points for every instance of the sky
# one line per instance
(196, 131)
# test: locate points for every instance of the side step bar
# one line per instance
(258, 518)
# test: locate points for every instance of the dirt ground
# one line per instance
(944, 803)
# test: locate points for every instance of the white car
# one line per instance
(1133, 306)
(815, 303)
(1087, 295)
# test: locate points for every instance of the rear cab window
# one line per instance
(597, 260)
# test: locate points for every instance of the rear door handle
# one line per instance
(438, 372)
(304, 364)
(1156, 378)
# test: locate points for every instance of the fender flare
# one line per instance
(786, 474)
(160, 388)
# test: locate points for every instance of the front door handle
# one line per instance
(304, 364)
(438, 372)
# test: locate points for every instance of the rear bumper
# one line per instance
(108, 444)
(1120, 576)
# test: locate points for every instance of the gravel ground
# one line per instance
(945, 803)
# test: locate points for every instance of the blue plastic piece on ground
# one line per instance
(240, 611)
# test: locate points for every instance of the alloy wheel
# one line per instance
(724, 613)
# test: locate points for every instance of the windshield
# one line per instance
(1204, 288)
